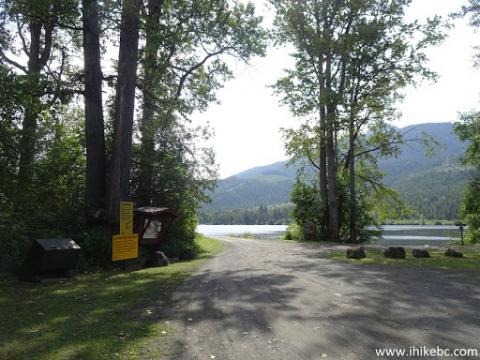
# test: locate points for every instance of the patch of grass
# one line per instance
(245, 235)
(104, 315)
(471, 261)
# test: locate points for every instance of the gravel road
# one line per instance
(281, 300)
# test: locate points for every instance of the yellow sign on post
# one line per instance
(126, 217)
(124, 247)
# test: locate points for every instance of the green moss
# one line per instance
(103, 315)
(471, 261)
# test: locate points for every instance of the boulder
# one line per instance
(162, 259)
(420, 253)
(356, 253)
(155, 259)
(394, 252)
(453, 253)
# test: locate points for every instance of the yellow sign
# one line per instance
(126, 217)
(124, 247)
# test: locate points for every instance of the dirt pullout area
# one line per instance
(278, 300)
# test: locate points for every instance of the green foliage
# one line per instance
(55, 199)
(351, 60)
(471, 211)
(468, 129)
(308, 210)
(190, 44)
(294, 232)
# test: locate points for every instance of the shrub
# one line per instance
(294, 232)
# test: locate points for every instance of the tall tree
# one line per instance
(351, 59)
(37, 39)
(183, 64)
(468, 129)
(95, 189)
(118, 187)
(151, 70)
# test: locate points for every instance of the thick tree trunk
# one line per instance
(323, 169)
(95, 189)
(28, 144)
(147, 128)
(29, 123)
(38, 57)
(322, 173)
(333, 208)
(353, 200)
(118, 188)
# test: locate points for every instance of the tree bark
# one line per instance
(147, 128)
(351, 167)
(118, 189)
(95, 189)
(38, 57)
(323, 153)
(333, 209)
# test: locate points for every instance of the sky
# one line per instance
(247, 122)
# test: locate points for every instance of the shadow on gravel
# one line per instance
(354, 309)
(256, 297)
(388, 306)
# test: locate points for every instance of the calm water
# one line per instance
(392, 234)
(260, 231)
(419, 234)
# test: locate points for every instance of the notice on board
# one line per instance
(124, 247)
(126, 217)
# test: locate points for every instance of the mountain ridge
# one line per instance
(409, 173)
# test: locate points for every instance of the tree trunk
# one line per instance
(118, 189)
(38, 58)
(351, 167)
(323, 169)
(147, 128)
(32, 109)
(333, 209)
(95, 189)
(323, 153)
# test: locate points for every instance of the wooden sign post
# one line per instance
(125, 245)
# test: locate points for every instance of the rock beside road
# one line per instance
(155, 259)
(394, 253)
(420, 253)
(453, 253)
(356, 253)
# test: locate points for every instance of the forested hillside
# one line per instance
(431, 183)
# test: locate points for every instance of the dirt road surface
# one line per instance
(280, 300)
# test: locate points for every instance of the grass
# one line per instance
(245, 235)
(471, 260)
(104, 315)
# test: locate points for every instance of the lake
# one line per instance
(392, 234)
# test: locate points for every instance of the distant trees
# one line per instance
(352, 57)
(262, 215)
